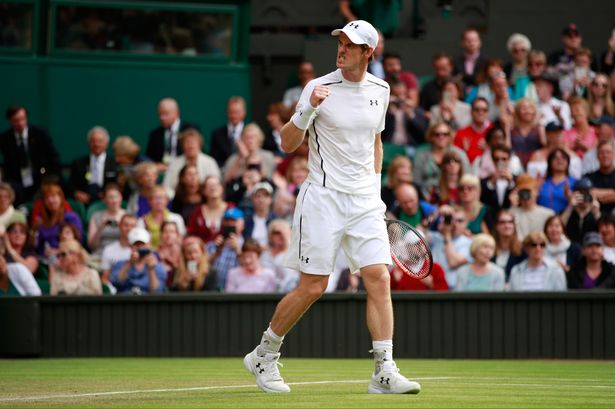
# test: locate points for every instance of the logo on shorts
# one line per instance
(306, 259)
(373, 102)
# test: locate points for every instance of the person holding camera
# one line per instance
(142, 272)
(225, 249)
(118, 251)
(194, 273)
(104, 224)
(528, 214)
(583, 210)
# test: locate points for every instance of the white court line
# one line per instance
(198, 388)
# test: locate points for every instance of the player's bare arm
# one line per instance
(378, 154)
(292, 135)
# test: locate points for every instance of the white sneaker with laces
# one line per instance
(389, 380)
(265, 369)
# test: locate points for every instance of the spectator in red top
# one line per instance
(436, 281)
(393, 72)
(472, 138)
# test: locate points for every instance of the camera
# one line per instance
(587, 197)
(227, 230)
(110, 223)
(525, 194)
(398, 102)
(143, 252)
(448, 218)
(254, 166)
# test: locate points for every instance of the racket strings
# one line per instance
(409, 251)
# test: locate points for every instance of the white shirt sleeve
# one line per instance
(23, 280)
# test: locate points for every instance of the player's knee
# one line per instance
(313, 286)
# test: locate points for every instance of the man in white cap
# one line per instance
(339, 205)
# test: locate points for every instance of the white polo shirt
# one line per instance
(341, 134)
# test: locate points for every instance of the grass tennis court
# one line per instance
(223, 383)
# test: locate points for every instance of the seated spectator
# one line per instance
(187, 193)
(526, 135)
(170, 250)
(528, 214)
(103, 226)
(142, 272)
(431, 91)
(581, 137)
(606, 227)
(118, 251)
(249, 147)
(224, 250)
(305, 73)
(481, 274)
(405, 123)
(451, 109)
(277, 115)
(53, 214)
(287, 188)
(490, 76)
(90, 173)
(583, 211)
(399, 171)
(163, 143)
(592, 271)
(606, 133)
(8, 214)
(508, 250)
(145, 174)
(205, 220)
(472, 138)
(274, 256)
(537, 165)
(409, 208)
(496, 187)
(555, 190)
(551, 109)
(600, 97)
(559, 247)
(19, 246)
(159, 214)
(250, 276)
(375, 66)
(15, 279)
(447, 190)
(224, 139)
(394, 73)
(603, 180)
(194, 273)
(516, 70)
(238, 190)
(427, 160)
(484, 166)
(436, 281)
(260, 214)
(192, 144)
(536, 66)
(71, 274)
(576, 83)
(450, 246)
(537, 272)
(562, 61)
(126, 153)
(477, 214)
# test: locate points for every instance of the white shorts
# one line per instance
(326, 219)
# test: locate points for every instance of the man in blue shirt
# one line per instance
(143, 272)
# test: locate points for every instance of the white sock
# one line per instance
(270, 343)
(383, 354)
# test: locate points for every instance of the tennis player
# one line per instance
(343, 113)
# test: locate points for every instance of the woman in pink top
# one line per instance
(582, 136)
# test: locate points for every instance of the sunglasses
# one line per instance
(441, 134)
(541, 244)
(62, 254)
(480, 109)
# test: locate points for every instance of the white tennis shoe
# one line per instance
(389, 380)
(265, 369)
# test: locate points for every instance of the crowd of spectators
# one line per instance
(508, 169)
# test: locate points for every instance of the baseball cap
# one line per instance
(233, 213)
(138, 234)
(263, 186)
(359, 32)
(526, 181)
(583, 184)
(554, 127)
(592, 238)
(570, 29)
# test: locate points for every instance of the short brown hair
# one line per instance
(251, 245)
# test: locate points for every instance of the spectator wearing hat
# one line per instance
(225, 249)
(562, 61)
(606, 228)
(592, 271)
(603, 179)
(551, 109)
(142, 272)
(528, 214)
(261, 213)
(583, 210)
(538, 164)
(606, 133)
(250, 276)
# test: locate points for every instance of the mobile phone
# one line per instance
(192, 265)
(254, 166)
(525, 194)
(143, 252)
(448, 218)
(587, 197)
(227, 230)
(446, 96)
(580, 72)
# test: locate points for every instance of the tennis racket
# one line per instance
(409, 250)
